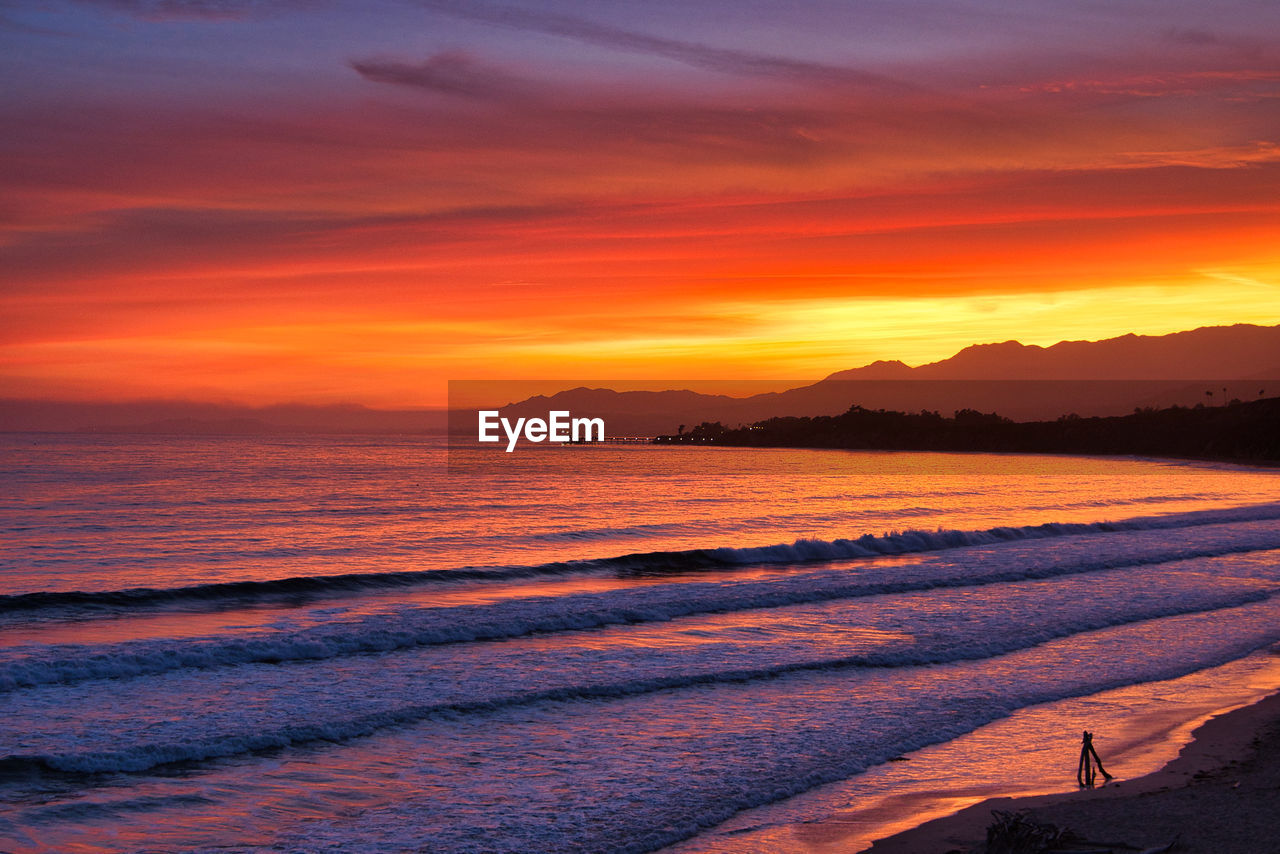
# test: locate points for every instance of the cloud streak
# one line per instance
(198, 10)
(1241, 85)
(449, 73)
(694, 54)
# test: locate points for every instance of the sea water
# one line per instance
(344, 644)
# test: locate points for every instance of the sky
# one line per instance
(319, 202)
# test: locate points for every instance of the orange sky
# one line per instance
(348, 204)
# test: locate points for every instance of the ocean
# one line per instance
(328, 643)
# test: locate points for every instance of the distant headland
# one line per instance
(1237, 431)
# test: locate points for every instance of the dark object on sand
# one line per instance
(1015, 833)
(1084, 771)
(1018, 833)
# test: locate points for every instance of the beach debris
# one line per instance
(1016, 833)
(1085, 775)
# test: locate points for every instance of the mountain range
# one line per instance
(1021, 381)
(1242, 351)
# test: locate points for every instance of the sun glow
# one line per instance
(392, 221)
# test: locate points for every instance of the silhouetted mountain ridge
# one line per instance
(1241, 351)
(1023, 382)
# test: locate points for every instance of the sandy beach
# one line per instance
(1220, 796)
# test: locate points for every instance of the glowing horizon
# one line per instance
(236, 201)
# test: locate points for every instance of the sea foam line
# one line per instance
(145, 757)
(800, 551)
(513, 618)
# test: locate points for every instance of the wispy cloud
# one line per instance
(1207, 40)
(207, 10)
(709, 57)
(1234, 84)
(1192, 37)
(1219, 157)
(450, 73)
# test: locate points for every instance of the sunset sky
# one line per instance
(326, 201)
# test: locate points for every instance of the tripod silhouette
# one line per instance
(1084, 772)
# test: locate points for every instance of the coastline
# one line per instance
(1030, 753)
(1219, 796)
(1237, 431)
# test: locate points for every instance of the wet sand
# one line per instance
(1220, 796)
(1032, 752)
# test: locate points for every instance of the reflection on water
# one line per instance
(615, 705)
(169, 511)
